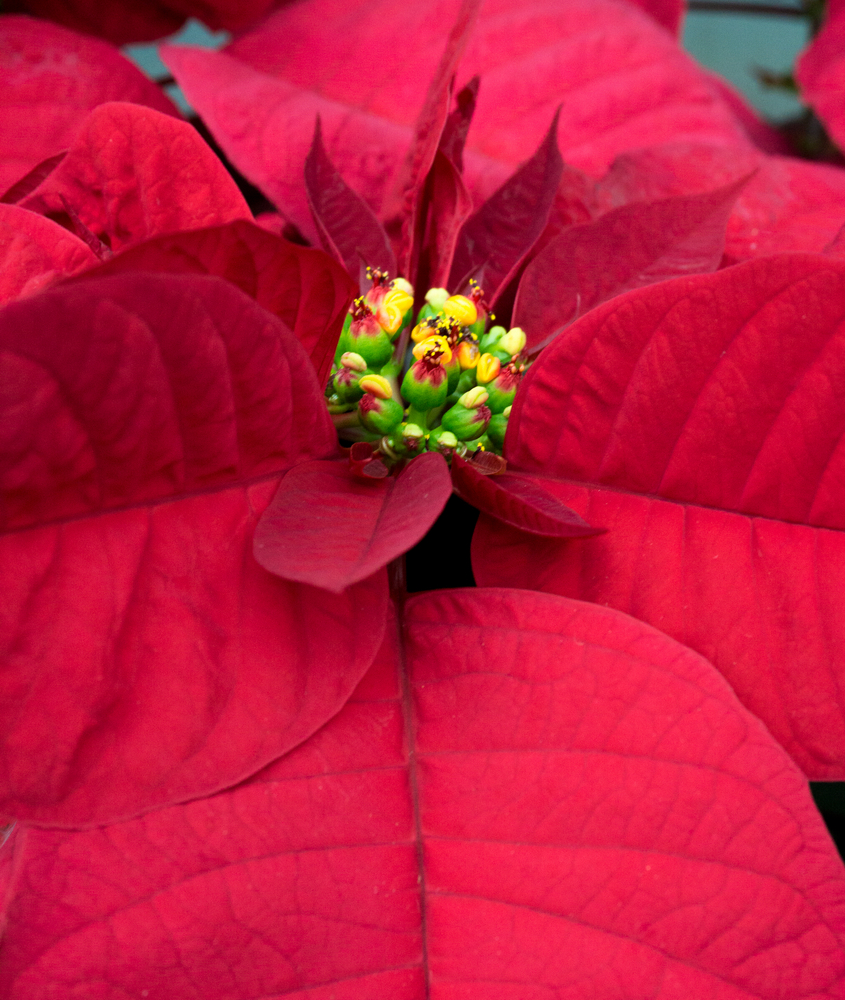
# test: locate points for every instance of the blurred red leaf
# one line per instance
(347, 226)
(329, 529)
(623, 83)
(493, 242)
(449, 209)
(302, 286)
(52, 78)
(519, 501)
(35, 251)
(820, 73)
(628, 247)
(530, 801)
(147, 659)
(700, 421)
(132, 173)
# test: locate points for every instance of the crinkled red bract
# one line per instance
(52, 78)
(535, 797)
(148, 659)
(132, 173)
(700, 422)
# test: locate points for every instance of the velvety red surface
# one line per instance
(527, 801)
(700, 422)
(147, 657)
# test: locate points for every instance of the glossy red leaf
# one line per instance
(347, 226)
(495, 241)
(700, 422)
(327, 528)
(519, 501)
(622, 81)
(820, 73)
(540, 798)
(52, 78)
(626, 248)
(35, 251)
(132, 173)
(301, 286)
(147, 659)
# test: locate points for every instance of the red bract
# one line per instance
(622, 83)
(699, 421)
(820, 72)
(123, 21)
(148, 658)
(52, 78)
(532, 797)
(34, 251)
(132, 173)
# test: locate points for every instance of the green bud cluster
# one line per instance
(444, 383)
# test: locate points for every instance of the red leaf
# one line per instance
(147, 658)
(626, 248)
(52, 78)
(329, 529)
(34, 251)
(347, 226)
(820, 72)
(495, 241)
(301, 286)
(669, 13)
(428, 131)
(787, 205)
(451, 205)
(622, 81)
(518, 501)
(119, 21)
(723, 393)
(132, 173)
(455, 131)
(30, 181)
(555, 800)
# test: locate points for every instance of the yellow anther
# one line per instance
(422, 331)
(350, 359)
(513, 341)
(462, 309)
(376, 385)
(392, 310)
(468, 354)
(488, 368)
(474, 397)
(432, 344)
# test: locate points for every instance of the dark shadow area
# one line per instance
(441, 559)
(829, 797)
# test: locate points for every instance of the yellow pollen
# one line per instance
(434, 344)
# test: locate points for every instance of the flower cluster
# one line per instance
(453, 395)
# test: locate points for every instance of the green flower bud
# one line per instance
(442, 441)
(496, 430)
(379, 416)
(503, 387)
(490, 341)
(365, 336)
(426, 382)
(469, 417)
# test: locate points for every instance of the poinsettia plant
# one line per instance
(239, 781)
